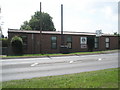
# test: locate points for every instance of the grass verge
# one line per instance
(60, 54)
(107, 78)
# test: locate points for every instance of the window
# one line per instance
(96, 43)
(107, 42)
(69, 42)
(24, 38)
(54, 42)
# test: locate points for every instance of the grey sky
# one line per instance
(79, 15)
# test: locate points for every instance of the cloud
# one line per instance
(109, 13)
(79, 15)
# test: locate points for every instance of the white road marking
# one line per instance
(71, 62)
(99, 59)
(34, 64)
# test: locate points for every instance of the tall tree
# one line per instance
(34, 23)
(25, 26)
(116, 34)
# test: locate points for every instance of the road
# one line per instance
(13, 69)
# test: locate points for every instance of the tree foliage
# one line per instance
(17, 45)
(116, 34)
(39, 21)
(25, 26)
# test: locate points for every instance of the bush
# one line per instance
(4, 42)
(17, 45)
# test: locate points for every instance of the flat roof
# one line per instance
(55, 32)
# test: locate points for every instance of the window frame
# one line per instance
(52, 42)
(96, 42)
(67, 42)
(107, 42)
(25, 42)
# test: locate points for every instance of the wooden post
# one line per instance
(62, 37)
(40, 29)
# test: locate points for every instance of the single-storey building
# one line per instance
(50, 41)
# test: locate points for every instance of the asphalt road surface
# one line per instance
(13, 69)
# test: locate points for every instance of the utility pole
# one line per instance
(62, 36)
(0, 24)
(40, 29)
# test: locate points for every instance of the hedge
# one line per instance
(17, 45)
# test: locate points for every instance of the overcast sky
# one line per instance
(79, 15)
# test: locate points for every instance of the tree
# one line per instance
(25, 26)
(4, 42)
(3, 36)
(45, 20)
(116, 34)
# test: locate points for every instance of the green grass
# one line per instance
(58, 54)
(107, 78)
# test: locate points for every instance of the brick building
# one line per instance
(51, 41)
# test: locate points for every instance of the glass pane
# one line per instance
(54, 45)
(24, 38)
(69, 45)
(107, 45)
(53, 38)
(54, 42)
(69, 39)
(96, 45)
(96, 39)
(106, 39)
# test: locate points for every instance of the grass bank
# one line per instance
(60, 54)
(107, 78)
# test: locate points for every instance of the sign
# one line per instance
(83, 40)
(83, 46)
(98, 33)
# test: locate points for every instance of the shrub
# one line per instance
(4, 42)
(17, 45)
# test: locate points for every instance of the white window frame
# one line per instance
(53, 42)
(107, 42)
(69, 42)
(96, 45)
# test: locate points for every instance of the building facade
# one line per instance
(50, 41)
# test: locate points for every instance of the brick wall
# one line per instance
(33, 42)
